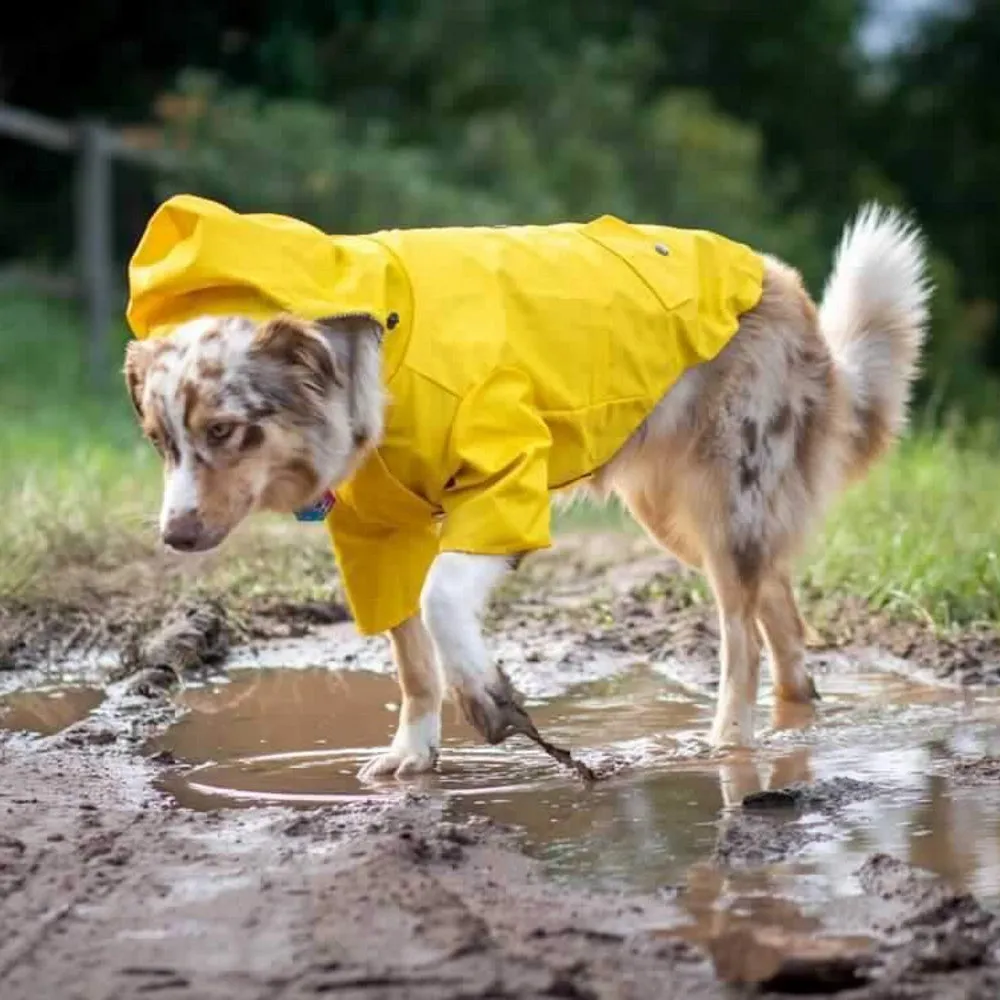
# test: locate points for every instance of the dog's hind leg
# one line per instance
(785, 634)
(690, 531)
(736, 590)
(418, 734)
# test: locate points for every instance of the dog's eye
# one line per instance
(219, 432)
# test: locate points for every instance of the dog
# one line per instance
(729, 470)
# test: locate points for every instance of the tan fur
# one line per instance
(417, 672)
(736, 485)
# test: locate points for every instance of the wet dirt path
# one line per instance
(218, 844)
(297, 738)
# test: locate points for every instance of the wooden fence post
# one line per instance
(94, 250)
(96, 148)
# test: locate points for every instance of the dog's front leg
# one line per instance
(418, 735)
(452, 604)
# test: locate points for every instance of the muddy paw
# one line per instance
(494, 710)
(398, 763)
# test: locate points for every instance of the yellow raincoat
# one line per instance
(517, 360)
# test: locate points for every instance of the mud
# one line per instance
(770, 827)
(210, 839)
(106, 891)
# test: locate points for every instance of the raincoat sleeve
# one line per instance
(497, 500)
(382, 567)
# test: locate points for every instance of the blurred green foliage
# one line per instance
(587, 150)
(766, 121)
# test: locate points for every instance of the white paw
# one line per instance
(413, 751)
(398, 763)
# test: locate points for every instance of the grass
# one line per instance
(920, 538)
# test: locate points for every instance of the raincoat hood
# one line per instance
(197, 257)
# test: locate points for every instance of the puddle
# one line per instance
(47, 711)
(297, 737)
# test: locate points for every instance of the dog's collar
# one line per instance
(318, 510)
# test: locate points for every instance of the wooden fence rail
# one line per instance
(94, 146)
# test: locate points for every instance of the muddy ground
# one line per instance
(110, 888)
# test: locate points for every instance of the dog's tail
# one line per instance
(874, 317)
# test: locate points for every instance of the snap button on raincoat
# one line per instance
(517, 360)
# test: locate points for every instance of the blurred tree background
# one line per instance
(768, 121)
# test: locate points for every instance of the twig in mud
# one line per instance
(517, 721)
(561, 755)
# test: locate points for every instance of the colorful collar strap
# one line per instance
(318, 510)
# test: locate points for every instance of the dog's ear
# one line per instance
(138, 358)
(356, 341)
(296, 344)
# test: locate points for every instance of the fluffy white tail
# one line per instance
(874, 318)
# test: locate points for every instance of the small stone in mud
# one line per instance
(605, 764)
(760, 834)
(820, 796)
(163, 757)
(84, 735)
(154, 682)
(780, 798)
(791, 962)
(452, 853)
(750, 840)
(101, 737)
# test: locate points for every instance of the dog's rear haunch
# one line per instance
(729, 471)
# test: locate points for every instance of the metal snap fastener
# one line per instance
(662, 249)
(392, 321)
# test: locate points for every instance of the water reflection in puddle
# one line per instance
(297, 737)
(47, 711)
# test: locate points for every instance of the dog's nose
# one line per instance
(183, 532)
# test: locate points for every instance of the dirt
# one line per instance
(619, 589)
(193, 636)
(977, 771)
(854, 852)
(108, 891)
(761, 833)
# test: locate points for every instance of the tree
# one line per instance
(938, 126)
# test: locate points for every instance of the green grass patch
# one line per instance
(75, 477)
(921, 536)
(80, 491)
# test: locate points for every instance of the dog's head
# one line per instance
(253, 417)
